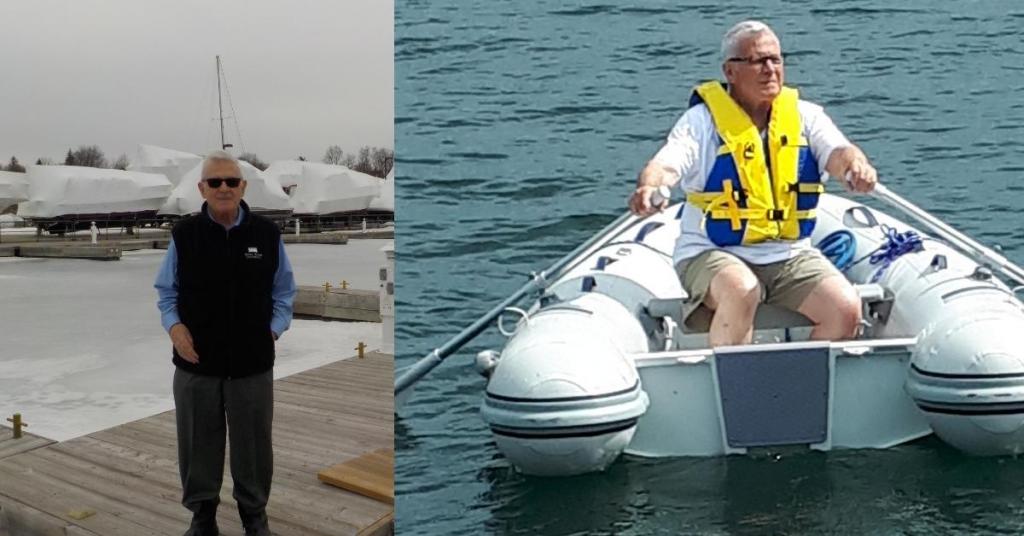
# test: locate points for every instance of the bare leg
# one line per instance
(834, 307)
(733, 296)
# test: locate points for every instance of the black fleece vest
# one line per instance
(225, 280)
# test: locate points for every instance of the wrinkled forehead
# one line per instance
(220, 168)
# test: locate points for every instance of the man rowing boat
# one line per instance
(748, 155)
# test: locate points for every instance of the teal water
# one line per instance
(520, 127)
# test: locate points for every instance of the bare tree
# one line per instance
(121, 162)
(45, 161)
(363, 164)
(89, 156)
(333, 155)
(349, 161)
(15, 166)
(254, 160)
(381, 160)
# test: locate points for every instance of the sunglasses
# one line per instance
(215, 182)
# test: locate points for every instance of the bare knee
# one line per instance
(737, 287)
(836, 310)
(847, 318)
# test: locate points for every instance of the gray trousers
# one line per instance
(204, 405)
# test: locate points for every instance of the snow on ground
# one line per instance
(357, 262)
(82, 349)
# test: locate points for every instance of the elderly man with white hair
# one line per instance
(225, 295)
(749, 154)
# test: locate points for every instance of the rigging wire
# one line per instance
(231, 104)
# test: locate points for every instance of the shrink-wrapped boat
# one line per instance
(262, 192)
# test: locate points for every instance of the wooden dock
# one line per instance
(335, 303)
(124, 480)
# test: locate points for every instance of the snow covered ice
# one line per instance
(82, 349)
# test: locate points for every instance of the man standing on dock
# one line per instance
(749, 154)
(225, 295)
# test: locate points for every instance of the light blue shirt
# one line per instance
(283, 291)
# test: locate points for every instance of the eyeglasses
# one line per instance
(763, 61)
(215, 182)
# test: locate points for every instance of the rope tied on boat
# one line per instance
(896, 244)
(840, 247)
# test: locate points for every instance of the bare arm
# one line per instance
(851, 166)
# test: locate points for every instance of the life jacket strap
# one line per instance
(761, 214)
(807, 187)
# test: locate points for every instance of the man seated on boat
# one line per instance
(748, 153)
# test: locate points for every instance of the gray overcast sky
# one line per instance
(303, 75)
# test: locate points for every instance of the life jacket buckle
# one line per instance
(748, 151)
(776, 214)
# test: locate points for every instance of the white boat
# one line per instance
(262, 192)
(73, 191)
(324, 189)
(171, 163)
(13, 189)
(386, 200)
(600, 365)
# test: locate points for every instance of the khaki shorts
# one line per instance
(785, 283)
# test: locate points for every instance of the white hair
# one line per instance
(217, 156)
(738, 33)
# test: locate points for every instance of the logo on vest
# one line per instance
(748, 151)
(253, 253)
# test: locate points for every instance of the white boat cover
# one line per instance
(262, 192)
(9, 220)
(386, 199)
(13, 188)
(325, 188)
(288, 173)
(65, 190)
(173, 164)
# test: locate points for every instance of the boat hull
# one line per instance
(785, 389)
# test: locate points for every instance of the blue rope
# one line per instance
(896, 244)
(839, 248)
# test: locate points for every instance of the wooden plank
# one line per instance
(98, 252)
(371, 474)
(10, 446)
(124, 480)
(384, 526)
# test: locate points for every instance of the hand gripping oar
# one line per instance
(958, 239)
(413, 373)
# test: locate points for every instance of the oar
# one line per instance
(958, 239)
(413, 373)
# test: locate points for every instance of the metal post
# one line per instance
(220, 108)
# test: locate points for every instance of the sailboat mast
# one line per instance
(220, 108)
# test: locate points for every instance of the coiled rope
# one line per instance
(840, 246)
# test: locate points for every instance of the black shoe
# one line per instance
(204, 520)
(258, 530)
(199, 528)
(254, 523)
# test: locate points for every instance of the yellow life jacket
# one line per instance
(749, 198)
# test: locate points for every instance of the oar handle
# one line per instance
(660, 196)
